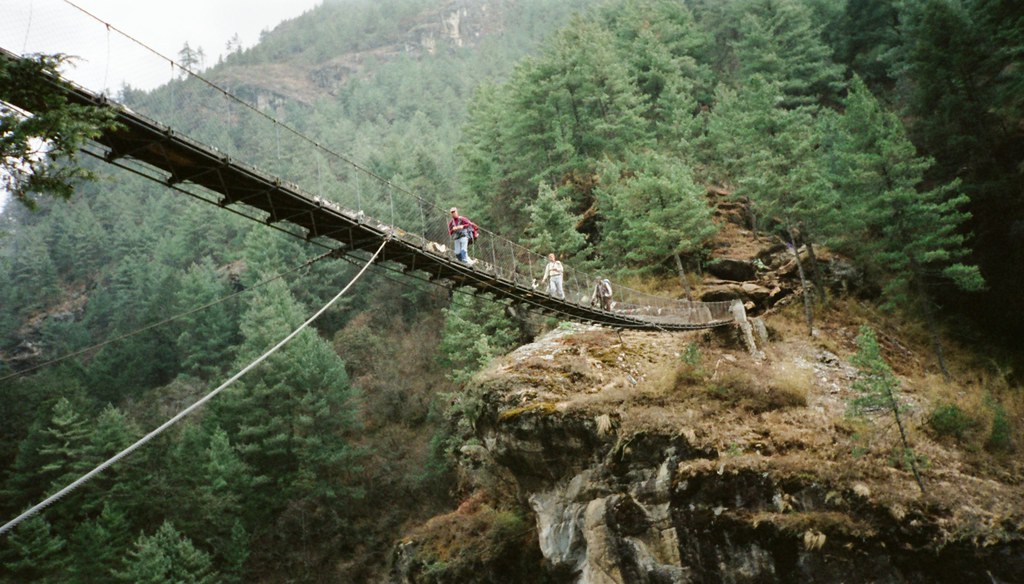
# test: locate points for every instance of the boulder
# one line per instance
(732, 269)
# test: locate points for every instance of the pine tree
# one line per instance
(289, 418)
(911, 234)
(77, 241)
(561, 113)
(878, 388)
(780, 42)
(552, 227)
(867, 40)
(140, 292)
(660, 43)
(52, 456)
(97, 545)
(234, 554)
(207, 337)
(770, 152)
(28, 84)
(33, 275)
(476, 330)
(123, 484)
(654, 212)
(204, 467)
(482, 156)
(166, 556)
(34, 553)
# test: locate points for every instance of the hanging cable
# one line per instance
(54, 497)
(162, 322)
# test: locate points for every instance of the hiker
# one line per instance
(602, 295)
(553, 276)
(462, 231)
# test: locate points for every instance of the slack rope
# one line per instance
(54, 497)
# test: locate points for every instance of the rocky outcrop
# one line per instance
(458, 25)
(31, 348)
(658, 509)
(647, 481)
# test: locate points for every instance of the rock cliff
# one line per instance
(674, 458)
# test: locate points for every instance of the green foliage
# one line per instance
(207, 337)
(34, 282)
(552, 227)
(865, 38)
(39, 152)
(204, 464)
(52, 455)
(166, 556)
(558, 116)
(907, 232)
(950, 420)
(1000, 437)
(34, 553)
(661, 45)
(770, 152)
(653, 211)
(691, 356)
(780, 42)
(876, 383)
(291, 418)
(878, 388)
(97, 545)
(476, 330)
(26, 404)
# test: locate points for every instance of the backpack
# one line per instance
(606, 288)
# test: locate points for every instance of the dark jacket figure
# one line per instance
(602, 295)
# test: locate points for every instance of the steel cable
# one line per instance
(113, 459)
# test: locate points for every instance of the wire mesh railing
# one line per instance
(255, 132)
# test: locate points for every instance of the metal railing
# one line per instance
(255, 133)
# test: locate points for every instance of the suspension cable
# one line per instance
(54, 497)
(162, 322)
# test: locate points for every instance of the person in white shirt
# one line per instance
(553, 275)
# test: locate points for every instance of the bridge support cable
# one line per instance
(166, 320)
(147, 172)
(177, 417)
(184, 158)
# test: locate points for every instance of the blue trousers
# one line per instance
(461, 243)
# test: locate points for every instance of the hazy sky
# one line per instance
(163, 25)
(51, 26)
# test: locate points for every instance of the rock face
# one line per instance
(458, 25)
(645, 481)
(632, 519)
(732, 269)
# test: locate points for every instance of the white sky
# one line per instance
(51, 26)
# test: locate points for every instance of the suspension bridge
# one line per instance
(238, 156)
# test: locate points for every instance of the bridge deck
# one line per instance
(182, 160)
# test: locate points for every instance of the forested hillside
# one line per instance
(888, 134)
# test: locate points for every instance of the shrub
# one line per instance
(950, 420)
(1000, 438)
(751, 396)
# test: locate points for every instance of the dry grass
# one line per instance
(755, 395)
(474, 534)
(786, 414)
(659, 286)
(828, 522)
(790, 381)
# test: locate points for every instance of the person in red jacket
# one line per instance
(462, 230)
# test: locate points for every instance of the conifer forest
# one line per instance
(887, 133)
